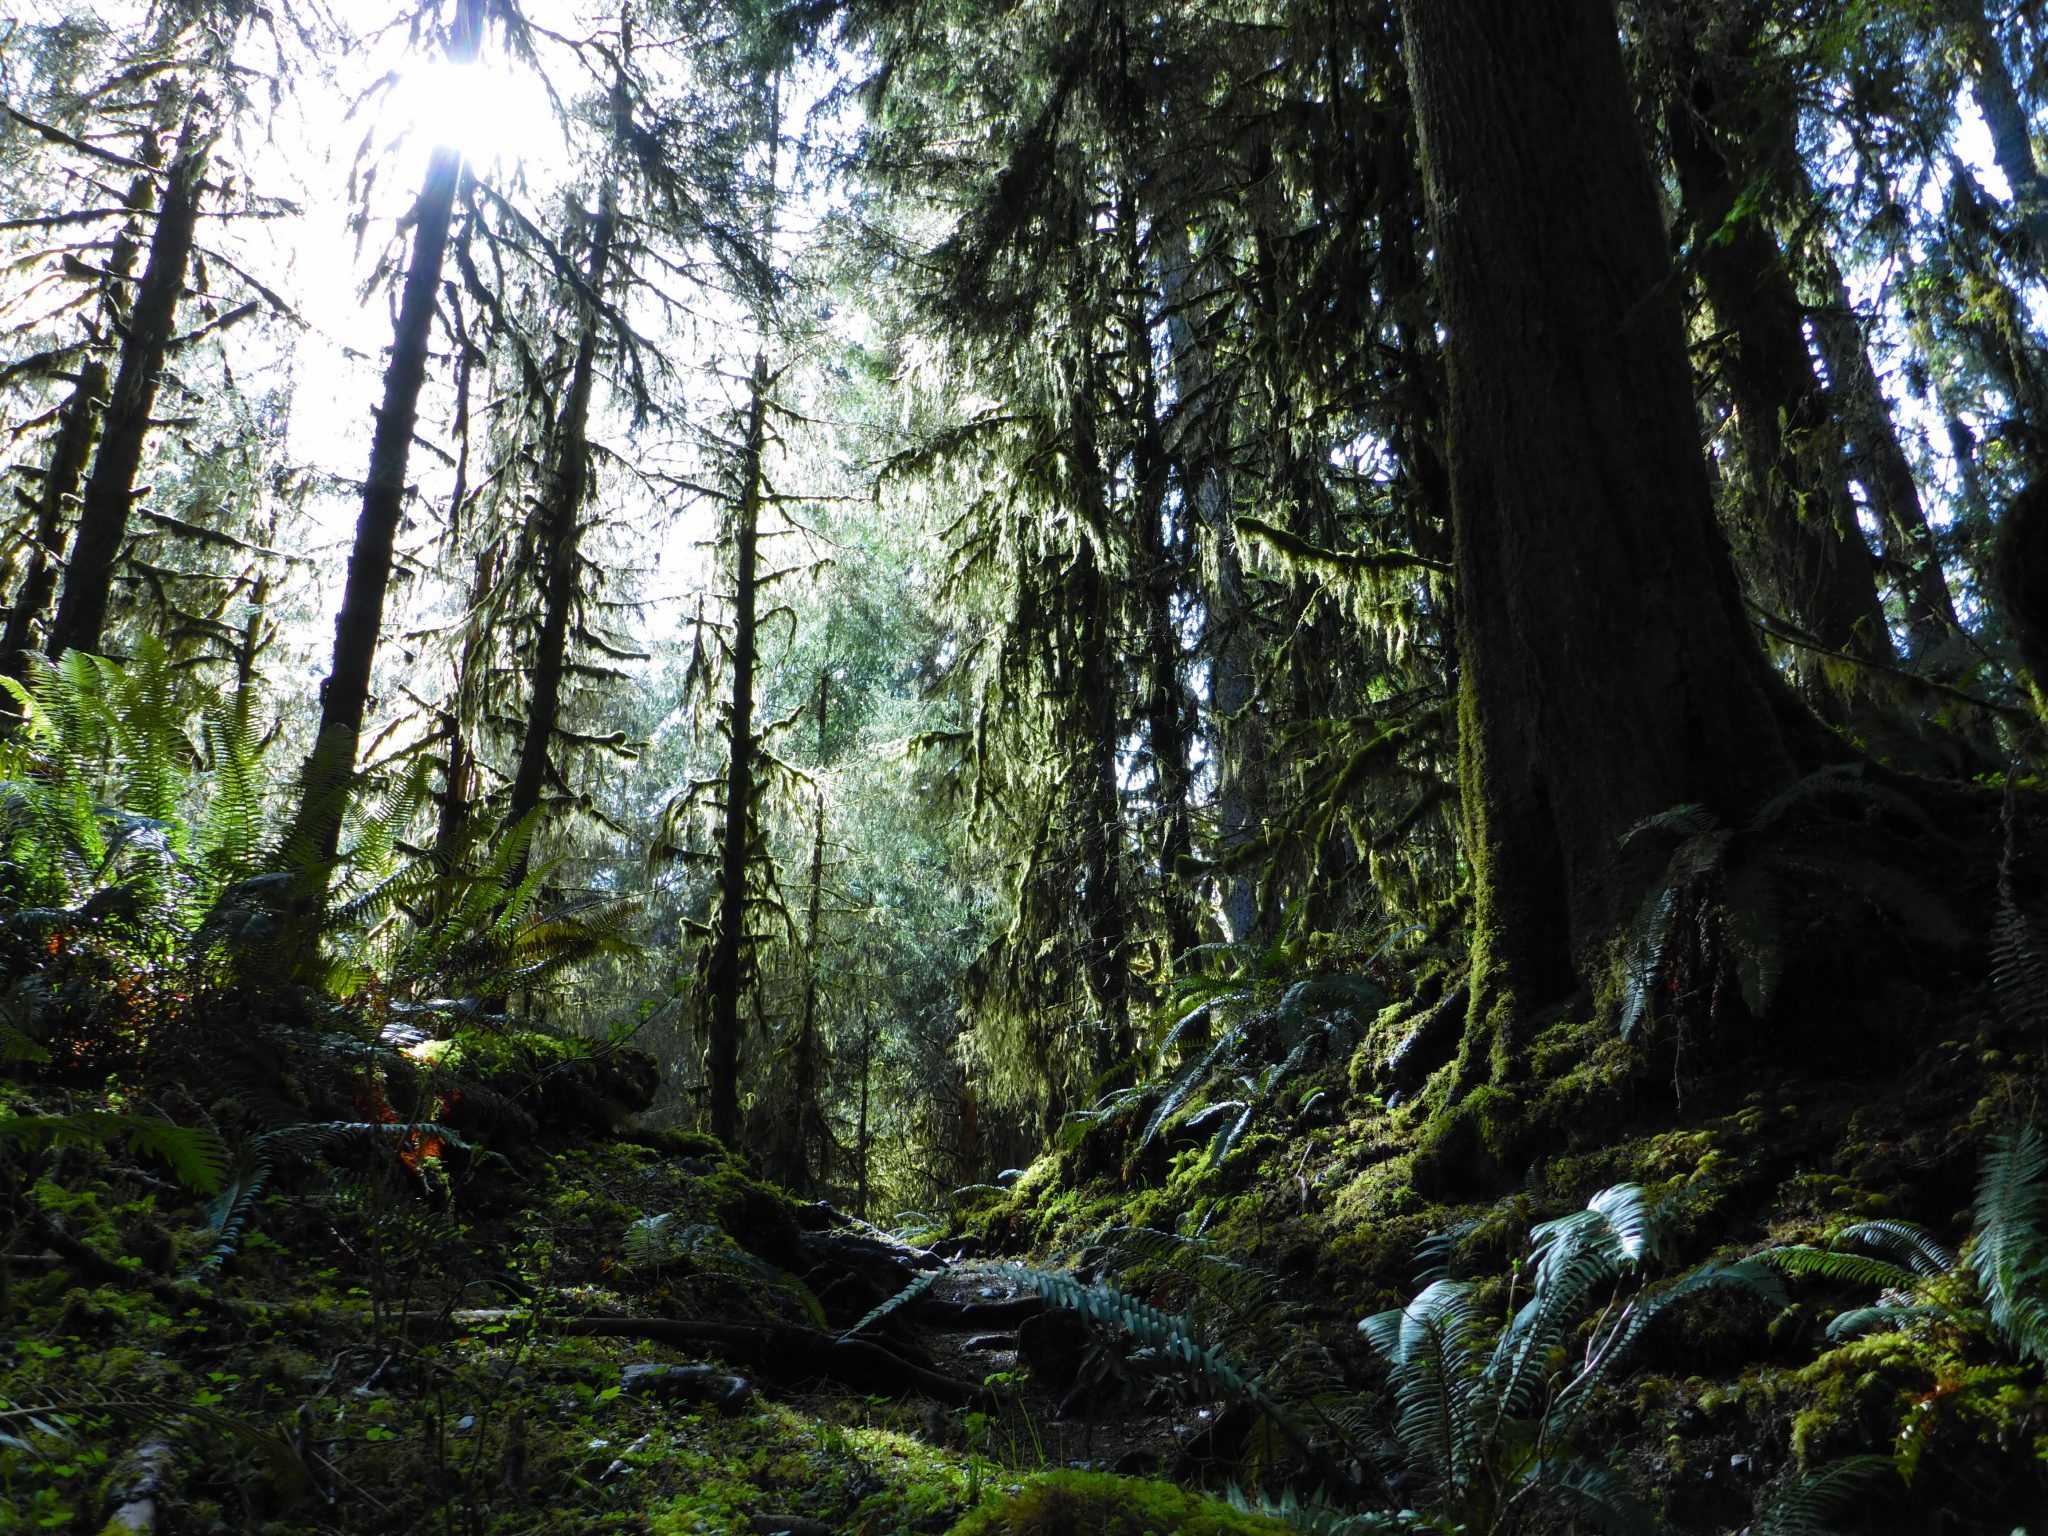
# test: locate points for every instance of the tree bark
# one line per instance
(1166, 702)
(110, 489)
(810, 1127)
(560, 513)
(1796, 525)
(725, 975)
(1094, 668)
(345, 694)
(1608, 672)
(62, 476)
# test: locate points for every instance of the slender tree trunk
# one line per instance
(809, 1112)
(560, 519)
(1097, 668)
(1879, 462)
(1166, 703)
(62, 477)
(2006, 119)
(1608, 672)
(1797, 526)
(725, 976)
(345, 694)
(452, 829)
(860, 1135)
(110, 489)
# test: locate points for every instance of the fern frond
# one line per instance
(1807, 1507)
(194, 1153)
(2010, 1249)
(903, 1298)
(1904, 1242)
(1595, 1496)
(1851, 1268)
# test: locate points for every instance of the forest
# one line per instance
(852, 767)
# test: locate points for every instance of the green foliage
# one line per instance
(1491, 1428)
(1317, 1020)
(1098, 1504)
(193, 1153)
(2009, 1247)
(2007, 1254)
(1723, 903)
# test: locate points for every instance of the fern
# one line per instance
(2010, 1250)
(195, 1155)
(1721, 898)
(1491, 1426)
(903, 1298)
(1805, 1508)
(2007, 1254)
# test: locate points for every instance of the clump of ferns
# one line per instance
(2005, 1260)
(1715, 927)
(1976, 1322)
(1489, 1423)
(1254, 1058)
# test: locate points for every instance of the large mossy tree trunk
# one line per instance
(726, 967)
(345, 693)
(110, 491)
(1093, 673)
(1607, 670)
(565, 486)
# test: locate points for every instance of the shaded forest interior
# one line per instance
(872, 767)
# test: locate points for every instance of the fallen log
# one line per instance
(779, 1352)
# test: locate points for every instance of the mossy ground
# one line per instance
(329, 1384)
(1742, 1400)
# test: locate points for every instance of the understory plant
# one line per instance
(1489, 1422)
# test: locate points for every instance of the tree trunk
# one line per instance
(1608, 672)
(110, 489)
(1796, 527)
(725, 976)
(1166, 703)
(1235, 730)
(1878, 461)
(1094, 668)
(452, 829)
(810, 1131)
(567, 482)
(62, 477)
(2005, 117)
(345, 694)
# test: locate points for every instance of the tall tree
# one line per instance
(345, 694)
(558, 522)
(110, 488)
(728, 961)
(1608, 672)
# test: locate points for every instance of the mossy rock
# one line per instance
(1098, 1504)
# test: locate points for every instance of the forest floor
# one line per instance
(625, 1331)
